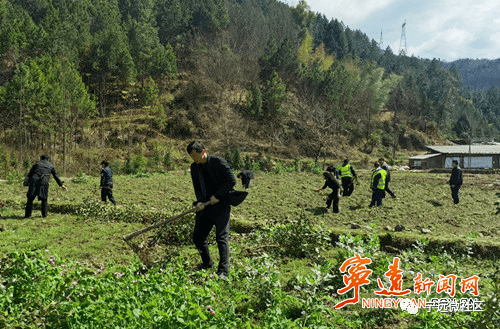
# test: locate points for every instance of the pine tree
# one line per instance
(274, 96)
(254, 101)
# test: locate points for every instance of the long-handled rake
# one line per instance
(127, 237)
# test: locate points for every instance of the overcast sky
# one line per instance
(445, 29)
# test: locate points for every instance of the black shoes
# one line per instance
(202, 267)
(222, 274)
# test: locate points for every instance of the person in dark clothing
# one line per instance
(335, 173)
(456, 181)
(213, 180)
(107, 183)
(385, 166)
(347, 174)
(246, 176)
(334, 197)
(378, 185)
(38, 179)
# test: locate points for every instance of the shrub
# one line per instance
(116, 166)
(314, 167)
(299, 239)
(279, 169)
(14, 176)
(27, 164)
(136, 164)
(168, 162)
(81, 178)
(237, 161)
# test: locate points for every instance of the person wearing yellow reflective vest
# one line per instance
(377, 185)
(347, 174)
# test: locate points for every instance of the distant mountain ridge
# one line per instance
(478, 73)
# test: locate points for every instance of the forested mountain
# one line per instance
(239, 72)
(478, 73)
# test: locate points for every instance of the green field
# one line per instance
(286, 252)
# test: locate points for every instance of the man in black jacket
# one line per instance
(246, 176)
(455, 181)
(333, 170)
(213, 180)
(385, 166)
(38, 178)
(107, 183)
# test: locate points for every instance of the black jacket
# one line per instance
(107, 177)
(331, 169)
(456, 177)
(215, 177)
(333, 184)
(246, 175)
(39, 177)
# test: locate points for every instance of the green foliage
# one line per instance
(164, 61)
(150, 93)
(298, 239)
(314, 167)
(13, 177)
(81, 178)
(136, 164)
(47, 96)
(27, 164)
(274, 97)
(278, 168)
(237, 162)
(254, 100)
(235, 159)
(116, 166)
(168, 162)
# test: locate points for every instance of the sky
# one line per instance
(444, 29)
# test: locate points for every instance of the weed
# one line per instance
(81, 178)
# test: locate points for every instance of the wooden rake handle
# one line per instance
(163, 222)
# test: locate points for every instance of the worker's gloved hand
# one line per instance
(213, 200)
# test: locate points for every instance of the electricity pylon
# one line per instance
(402, 43)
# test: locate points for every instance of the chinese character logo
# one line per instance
(357, 276)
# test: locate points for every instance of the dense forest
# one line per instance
(255, 73)
(478, 73)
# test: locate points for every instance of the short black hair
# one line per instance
(376, 164)
(346, 161)
(45, 157)
(381, 159)
(328, 175)
(195, 146)
(455, 162)
(105, 163)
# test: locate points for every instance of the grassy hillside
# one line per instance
(285, 254)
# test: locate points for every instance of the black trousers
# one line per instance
(388, 190)
(216, 215)
(377, 197)
(455, 194)
(29, 206)
(333, 199)
(245, 183)
(107, 193)
(347, 186)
